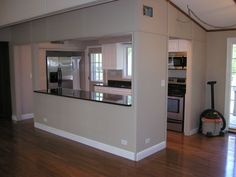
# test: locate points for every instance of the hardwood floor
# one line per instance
(29, 152)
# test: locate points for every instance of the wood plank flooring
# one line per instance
(29, 152)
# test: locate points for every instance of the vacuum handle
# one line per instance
(212, 83)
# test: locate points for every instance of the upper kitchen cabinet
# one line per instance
(173, 46)
(178, 45)
(112, 56)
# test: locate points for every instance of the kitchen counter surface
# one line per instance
(90, 96)
(105, 85)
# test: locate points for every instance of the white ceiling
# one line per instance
(214, 12)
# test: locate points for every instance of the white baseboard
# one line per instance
(23, 117)
(101, 146)
(151, 150)
(14, 118)
(192, 132)
(27, 116)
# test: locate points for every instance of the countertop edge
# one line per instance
(97, 85)
(98, 101)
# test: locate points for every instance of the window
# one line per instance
(128, 61)
(96, 67)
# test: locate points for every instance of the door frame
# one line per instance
(88, 81)
(230, 42)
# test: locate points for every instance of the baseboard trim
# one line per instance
(98, 145)
(14, 118)
(192, 132)
(27, 116)
(151, 150)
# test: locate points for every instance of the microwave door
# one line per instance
(178, 61)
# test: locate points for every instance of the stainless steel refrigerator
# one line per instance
(63, 69)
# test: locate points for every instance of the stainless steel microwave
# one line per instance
(177, 60)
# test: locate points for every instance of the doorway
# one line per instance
(179, 72)
(5, 89)
(230, 105)
(94, 66)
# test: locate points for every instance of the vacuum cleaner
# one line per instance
(212, 122)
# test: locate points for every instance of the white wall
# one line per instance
(13, 11)
(105, 123)
(23, 82)
(150, 68)
(147, 116)
(180, 26)
(216, 66)
(198, 84)
(90, 22)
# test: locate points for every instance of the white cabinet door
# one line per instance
(176, 45)
(173, 45)
(112, 56)
(108, 54)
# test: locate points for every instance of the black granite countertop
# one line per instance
(105, 85)
(116, 84)
(91, 96)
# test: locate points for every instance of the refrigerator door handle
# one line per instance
(59, 72)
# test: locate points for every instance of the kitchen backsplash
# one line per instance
(114, 74)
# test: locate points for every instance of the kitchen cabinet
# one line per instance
(177, 45)
(173, 45)
(112, 56)
(113, 90)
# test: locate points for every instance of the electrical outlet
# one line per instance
(45, 119)
(124, 142)
(147, 140)
(163, 83)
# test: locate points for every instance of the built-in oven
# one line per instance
(175, 113)
(175, 107)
